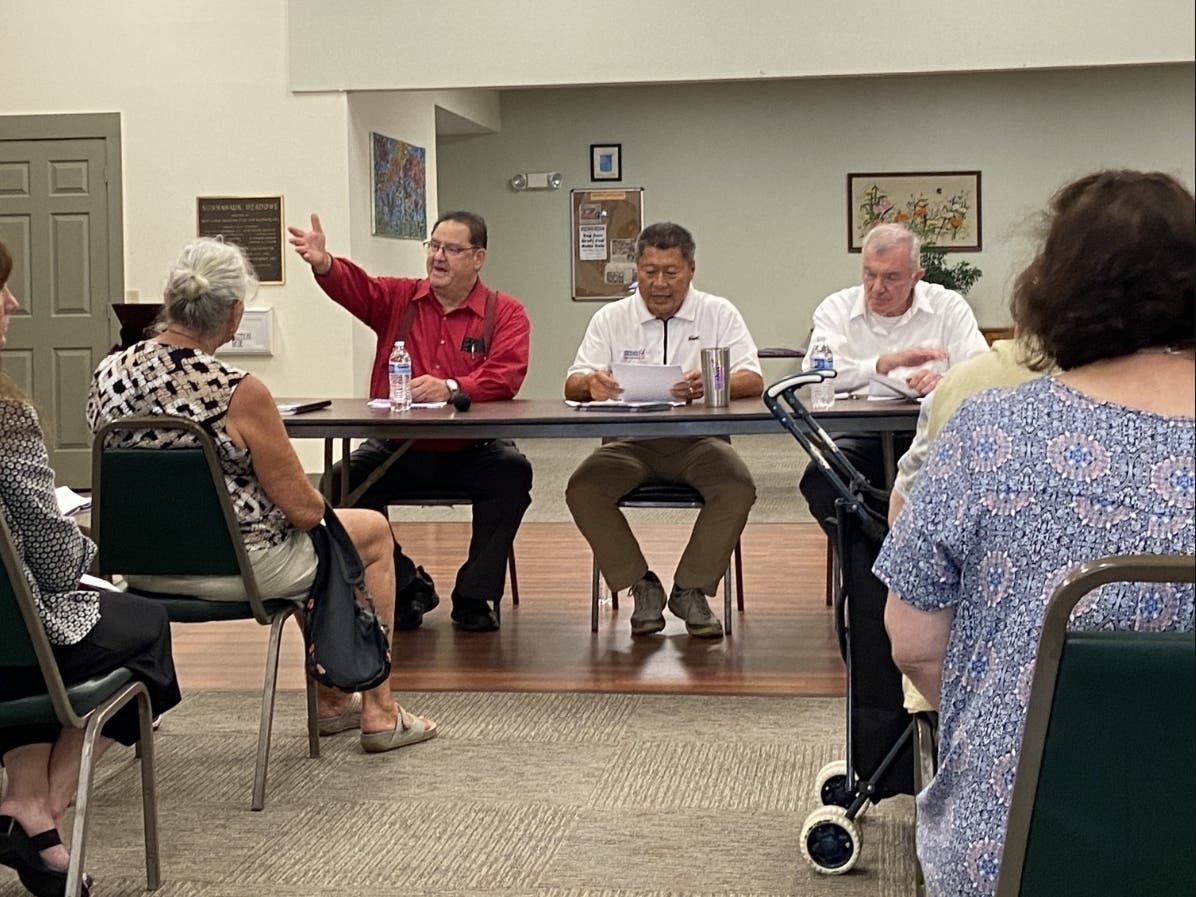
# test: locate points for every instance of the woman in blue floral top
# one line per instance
(1026, 482)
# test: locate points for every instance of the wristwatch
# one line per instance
(453, 387)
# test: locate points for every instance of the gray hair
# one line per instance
(208, 278)
(666, 235)
(885, 236)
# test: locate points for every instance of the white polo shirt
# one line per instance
(938, 317)
(627, 332)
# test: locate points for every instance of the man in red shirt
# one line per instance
(463, 339)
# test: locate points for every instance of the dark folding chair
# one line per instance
(86, 705)
(670, 495)
(168, 512)
(447, 498)
(1104, 796)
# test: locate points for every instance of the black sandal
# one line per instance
(22, 852)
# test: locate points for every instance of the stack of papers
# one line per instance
(647, 382)
(619, 405)
(71, 502)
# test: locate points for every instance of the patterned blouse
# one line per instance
(54, 552)
(1023, 484)
(150, 378)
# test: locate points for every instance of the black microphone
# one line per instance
(460, 401)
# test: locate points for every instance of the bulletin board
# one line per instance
(605, 225)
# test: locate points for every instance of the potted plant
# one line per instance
(960, 277)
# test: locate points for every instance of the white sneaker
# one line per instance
(690, 605)
(648, 616)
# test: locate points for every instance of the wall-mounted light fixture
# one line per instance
(536, 180)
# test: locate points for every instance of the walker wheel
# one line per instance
(832, 785)
(830, 842)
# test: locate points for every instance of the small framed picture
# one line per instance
(606, 161)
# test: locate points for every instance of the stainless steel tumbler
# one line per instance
(715, 376)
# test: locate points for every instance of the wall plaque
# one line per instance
(252, 222)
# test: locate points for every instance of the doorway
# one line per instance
(61, 217)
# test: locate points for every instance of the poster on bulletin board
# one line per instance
(605, 225)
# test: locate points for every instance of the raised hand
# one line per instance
(310, 244)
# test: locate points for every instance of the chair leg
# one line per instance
(514, 577)
(313, 719)
(738, 554)
(727, 623)
(149, 792)
(269, 686)
(78, 847)
(831, 573)
(594, 586)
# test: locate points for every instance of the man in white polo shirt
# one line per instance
(893, 324)
(665, 321)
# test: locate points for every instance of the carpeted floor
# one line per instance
(522, 795)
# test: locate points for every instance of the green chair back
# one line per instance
(1104, 800)
(16, 647)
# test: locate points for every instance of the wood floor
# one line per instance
(783, 643)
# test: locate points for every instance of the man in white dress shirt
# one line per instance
(893, 324)
(665, 321)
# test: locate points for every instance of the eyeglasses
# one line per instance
(451, 249)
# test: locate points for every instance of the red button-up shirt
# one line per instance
(437, 337)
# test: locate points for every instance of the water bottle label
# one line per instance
(823, 364)
(398, 367)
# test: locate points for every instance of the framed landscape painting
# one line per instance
(941, 207)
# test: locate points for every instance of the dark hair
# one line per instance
(1116, 271)
(5, 264)
(475, 222)
(666, 235)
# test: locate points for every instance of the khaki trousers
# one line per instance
(707, 463)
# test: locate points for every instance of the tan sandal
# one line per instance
(409, 729)
(349, 718)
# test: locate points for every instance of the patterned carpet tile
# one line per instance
(710, 776)
(709, 718)
(411, 845)
(522, 795)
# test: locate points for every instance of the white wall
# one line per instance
(380, 44)
(758, 172)
(205, 111)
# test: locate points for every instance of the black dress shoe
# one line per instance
(475, 616)
(414, 600)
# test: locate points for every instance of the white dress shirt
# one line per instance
(626, 332)
(938, 317)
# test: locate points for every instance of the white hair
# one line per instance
(208, 278)
(883, 237)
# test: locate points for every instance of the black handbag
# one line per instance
(348, 647)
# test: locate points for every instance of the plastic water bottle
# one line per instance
(399, 369)
(822, 395)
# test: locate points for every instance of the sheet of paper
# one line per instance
(619, 405)
(70, 501)
(647, 382)
(385, 404)
(882, 387)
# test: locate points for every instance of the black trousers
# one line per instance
(494, 474)
(866, 454)
(132, 632)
